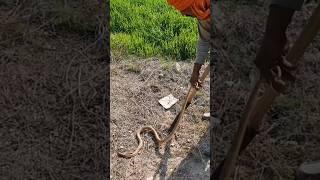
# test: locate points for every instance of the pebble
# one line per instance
(178, 67)
(206, 116)
(172, 144)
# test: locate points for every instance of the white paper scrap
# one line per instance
(168, 101)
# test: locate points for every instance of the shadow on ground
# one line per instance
(196, 165)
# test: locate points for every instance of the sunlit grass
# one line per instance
(152, 28)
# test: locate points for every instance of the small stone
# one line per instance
(206, 116)
(207, 166)
(309, 170)
(178, 67)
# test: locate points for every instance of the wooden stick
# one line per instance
(259, 104)
(202, 78)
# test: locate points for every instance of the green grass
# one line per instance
(152, 28)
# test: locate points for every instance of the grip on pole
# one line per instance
(256, 108)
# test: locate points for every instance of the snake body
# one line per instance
(140, 142)
(158, 139)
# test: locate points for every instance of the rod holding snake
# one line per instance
(160, 141)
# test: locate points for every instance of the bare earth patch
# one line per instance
(52, 97)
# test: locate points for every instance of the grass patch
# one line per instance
(152, 28)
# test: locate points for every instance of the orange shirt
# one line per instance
(200, 8)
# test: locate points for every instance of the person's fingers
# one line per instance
(194, 85)
(200, 83)
(194, 79)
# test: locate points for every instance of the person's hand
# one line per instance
(274, 41)
(194, 80)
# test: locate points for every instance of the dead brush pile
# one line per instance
(53, 71)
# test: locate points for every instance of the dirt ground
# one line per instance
(290, 132)
(136, 87)
(52, 98)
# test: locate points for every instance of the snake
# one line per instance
(160, 141)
